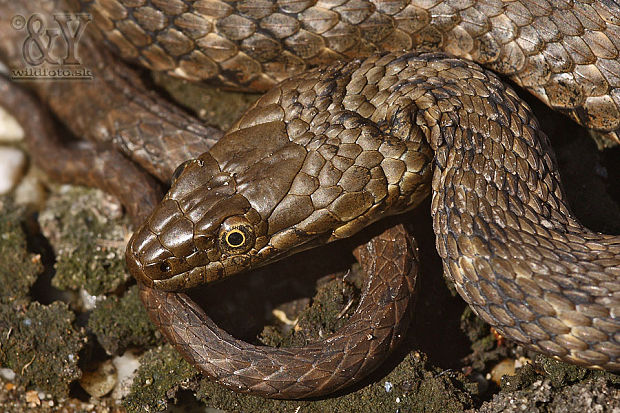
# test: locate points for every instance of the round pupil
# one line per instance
(165, 266)
(235, 238)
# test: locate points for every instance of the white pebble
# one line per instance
(126, 367)
(89, 301)
(505, 367)
(30, 191)
(12, 165)
(101, 381)
(7, 374)
(10, 131)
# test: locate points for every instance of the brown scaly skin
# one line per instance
(565, 53)
(503, 229)
(340, 360)
(148, 130)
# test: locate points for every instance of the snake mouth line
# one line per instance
(215, 271)
(185, 280)
(174, 283)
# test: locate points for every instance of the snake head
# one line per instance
(224, 213)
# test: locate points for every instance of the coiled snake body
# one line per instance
(328, 151)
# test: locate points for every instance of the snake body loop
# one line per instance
(331, 150)
(340, 360)
(504, 230)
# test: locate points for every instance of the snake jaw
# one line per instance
(196, 276)
(155, 276)
(200, 275)
(224, 266)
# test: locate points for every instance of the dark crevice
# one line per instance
(42, 290)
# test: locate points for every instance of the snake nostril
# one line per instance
(137, 268)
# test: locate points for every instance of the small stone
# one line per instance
(505, 367)
(10, 131)
(7, 374)
(32, 398)
(126, 367)
(100, 382)
(30, 191)
(12, 164)
(281, 316)
(89, 301)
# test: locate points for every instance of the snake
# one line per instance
(369, 108)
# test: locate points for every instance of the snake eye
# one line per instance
(236, 236)
(177, 172)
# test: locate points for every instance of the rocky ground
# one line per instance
(74, 336)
